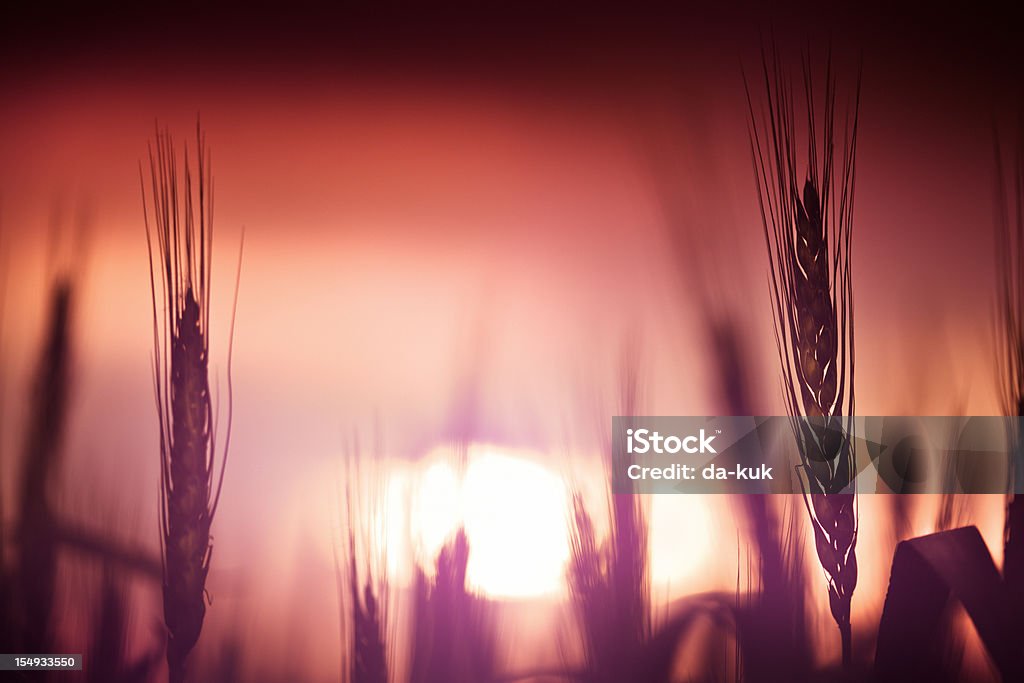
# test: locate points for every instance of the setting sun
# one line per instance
(513, 511)
(520, 343)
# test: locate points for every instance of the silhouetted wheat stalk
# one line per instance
(366, 603)
(609, 583)
(111, 660)
(771, 631)
(454, 631)
(37, 557)
(180, 242)
(368, 643)
(3, 307)
(7, 604)
(808, 234)
(1010, 349)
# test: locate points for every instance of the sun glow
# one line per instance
(515, 516)
(513, 511)
(680, 537)
(435, 509)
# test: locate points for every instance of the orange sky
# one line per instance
(403, 232)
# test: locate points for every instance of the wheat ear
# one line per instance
(808, 235)
(180, 241)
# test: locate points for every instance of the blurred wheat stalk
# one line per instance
(1009, 204)
(361, 566)
(36, 576)
(808, 234)
(180, 244)
(609, 585)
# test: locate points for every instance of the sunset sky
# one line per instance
(440, 218)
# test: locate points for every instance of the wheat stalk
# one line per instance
(808, 235)
(454, 636)
(37, 559)
(368, 642)
(1010, 349)
(368, 614)
(3, 304)
(180, 243)
(609, 583)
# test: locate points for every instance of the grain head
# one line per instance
(180, 239)
(807, 217)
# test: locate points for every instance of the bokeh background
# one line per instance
(453, 223)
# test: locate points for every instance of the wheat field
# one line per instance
(374, 444)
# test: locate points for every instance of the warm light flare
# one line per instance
(680, 538)
(515, 516)
(513, 511)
